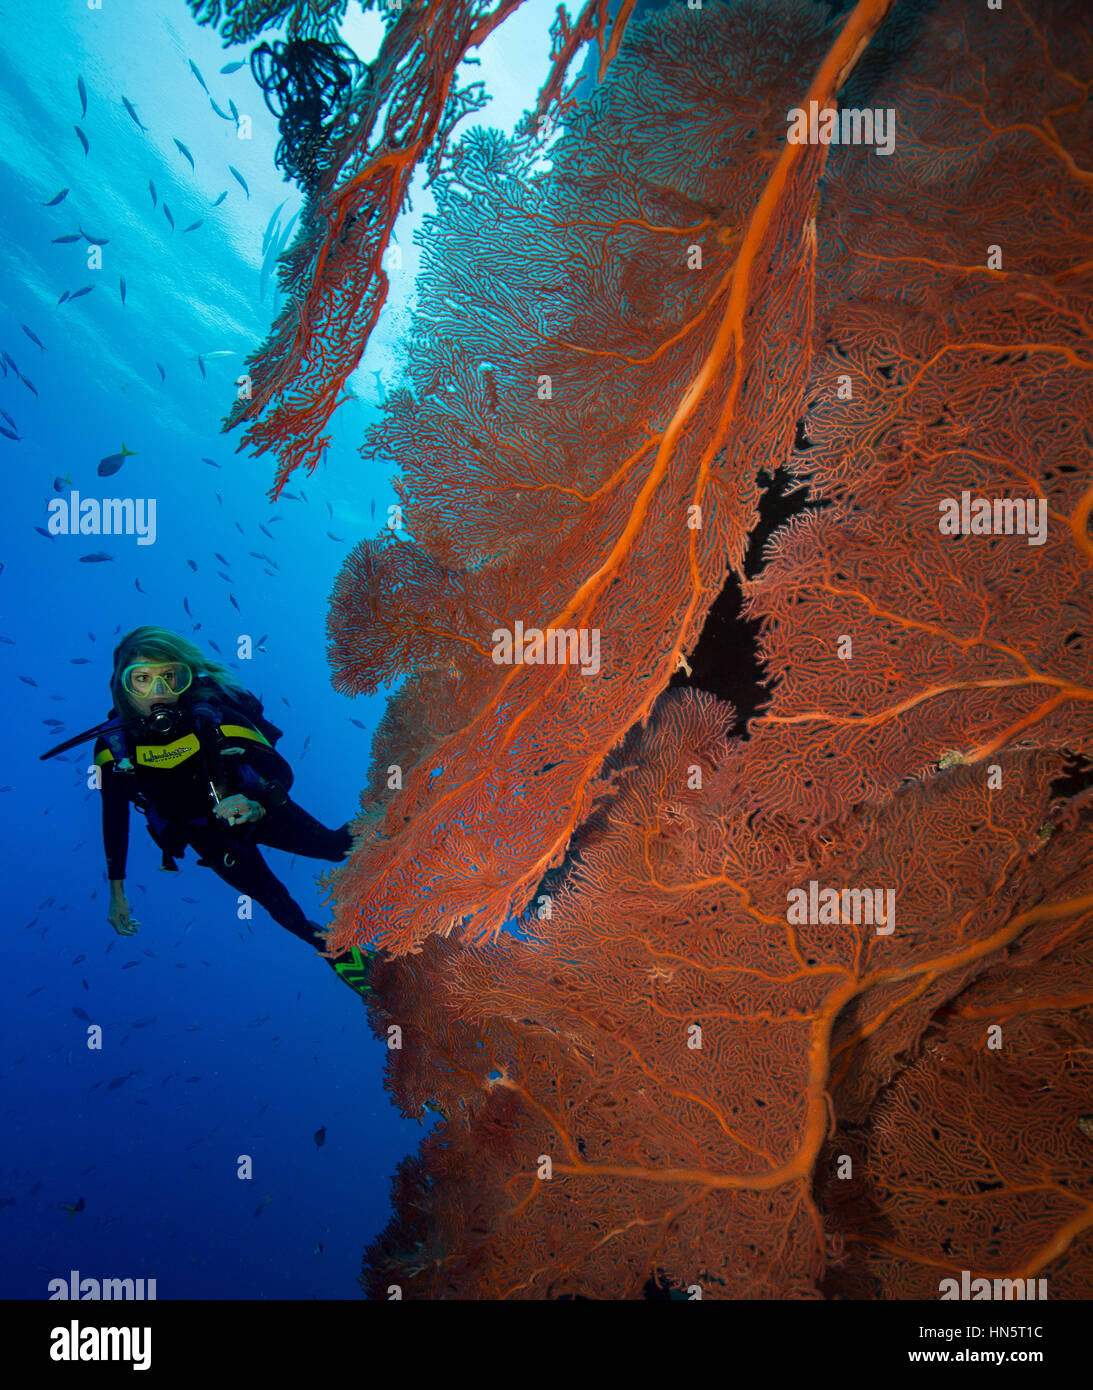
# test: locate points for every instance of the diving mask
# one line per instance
(155, 679)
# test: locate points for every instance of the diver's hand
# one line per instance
(118, 913)
(239, 810)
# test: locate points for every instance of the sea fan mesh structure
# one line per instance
(669, 1075)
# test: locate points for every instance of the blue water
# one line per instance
(260, 1022)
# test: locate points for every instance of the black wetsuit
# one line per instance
(170, 782)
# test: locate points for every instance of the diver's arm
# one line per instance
(115, 835)
(115, 824)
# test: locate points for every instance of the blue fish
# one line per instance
(96, 557)
(232, 67)
(197, 73)
(239, 179)
(185, 152)
(67, 240)
(220, 199)
(152, 190)
(83, 96)
(162, 373)
(76, 294)
(59, 198)
(95, 240)
(32, 337)
(83, 140)
(8, 418)
(28, 383)
(113, 462)
(133, 113)
(121, 287)
(8, 434)
(167, 214)
(67, 295)
(193, 226)
(222, 114)
(234, 110)
(269, 227)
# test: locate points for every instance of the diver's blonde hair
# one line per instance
(160, 644)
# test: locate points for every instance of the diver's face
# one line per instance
(149, 682)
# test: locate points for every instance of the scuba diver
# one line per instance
(192, 749)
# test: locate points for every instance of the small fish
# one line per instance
(260, 644)
(318, 1247)
(133, 113)
(225, 577)
(194, 225)
(95, 240)
(234, 604)
(79, 960)
(217, 552)
(186, 605)
(193, 565)
(119, 1081)
(197, 73)
(121, 287)
(167, 214)
(185, 153)
(28, 383)
(212, 464)
(235, 112)
(9, 434)
(9, 359)
(96, 557)
(72, 1208)
(32, 337)
(191, 1079)
(83, 96)
(113, 462)
(142, 1022)
(129, 964)
(269, 226)
(333, 537)
(83, 140)
(42, 532)
(29, 680)
(57, 198)
(139, 591)
(240, 180)
(222, 114)
(201, 364)
(162, 373)
(359, 724)
(77, 294)
(67, 240)
(80, 1014)
(266, 531)
(152, 190)
(232, 67)
(79, 661)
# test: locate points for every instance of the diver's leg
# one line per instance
(291, 828)
(244, 869)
